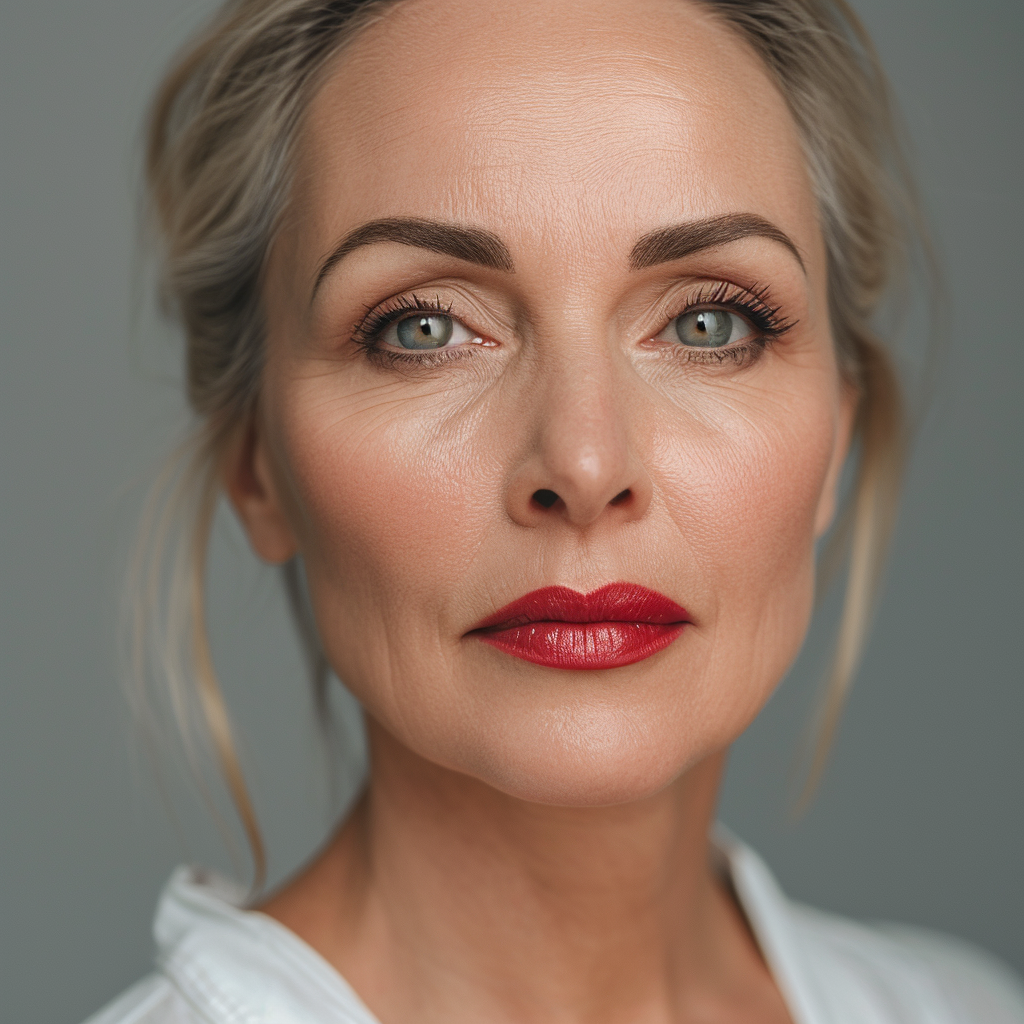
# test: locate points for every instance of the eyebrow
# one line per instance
(471, 244)
(487, 250)
(681, 240)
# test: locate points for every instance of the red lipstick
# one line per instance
(616, 625)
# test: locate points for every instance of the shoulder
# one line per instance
(907, 975)
(153, 1000)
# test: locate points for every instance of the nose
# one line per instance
(581, 463)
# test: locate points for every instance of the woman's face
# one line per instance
(600, 353)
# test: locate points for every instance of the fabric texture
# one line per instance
(219, 964)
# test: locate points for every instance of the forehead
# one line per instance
(573, 119)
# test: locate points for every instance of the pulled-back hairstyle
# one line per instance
(222, 133)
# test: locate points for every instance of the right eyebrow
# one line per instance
(471, 244)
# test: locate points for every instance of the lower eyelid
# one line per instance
(742, 354)
(425, 359)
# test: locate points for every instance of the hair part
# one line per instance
(222, 133)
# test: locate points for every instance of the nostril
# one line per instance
(621, 497)
(545, 498)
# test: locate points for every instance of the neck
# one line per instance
(442, 898)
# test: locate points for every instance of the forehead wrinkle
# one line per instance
(556, 144)
(490, 138)
(531, 94)
(628, 116)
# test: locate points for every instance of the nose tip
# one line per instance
(615, 486)
(580, 459)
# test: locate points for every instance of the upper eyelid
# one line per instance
(743, 300)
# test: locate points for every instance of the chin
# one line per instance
(595, 758)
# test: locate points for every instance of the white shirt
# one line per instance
(218, 964)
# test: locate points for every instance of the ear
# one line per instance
(849, 400)
(251, 489)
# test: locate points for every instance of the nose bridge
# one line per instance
(580, 431)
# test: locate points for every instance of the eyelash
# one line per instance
(754, 304)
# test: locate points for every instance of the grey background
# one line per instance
(920, 815)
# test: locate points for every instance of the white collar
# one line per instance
(241, 966)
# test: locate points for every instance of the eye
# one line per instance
(424, 331)
(707, 328)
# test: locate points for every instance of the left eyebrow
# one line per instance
(680, 240)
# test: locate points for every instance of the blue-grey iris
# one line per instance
(708, 328)
(425, 331)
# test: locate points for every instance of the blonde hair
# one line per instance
(221, 134)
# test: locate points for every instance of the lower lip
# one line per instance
(584, 645)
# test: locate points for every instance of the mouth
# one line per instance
(618, 624)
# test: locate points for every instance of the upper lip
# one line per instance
(614, 602)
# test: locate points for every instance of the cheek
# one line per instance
(744, 497)
(393, 503)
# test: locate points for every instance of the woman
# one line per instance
(540, 334)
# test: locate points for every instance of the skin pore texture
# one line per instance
(532, 845)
